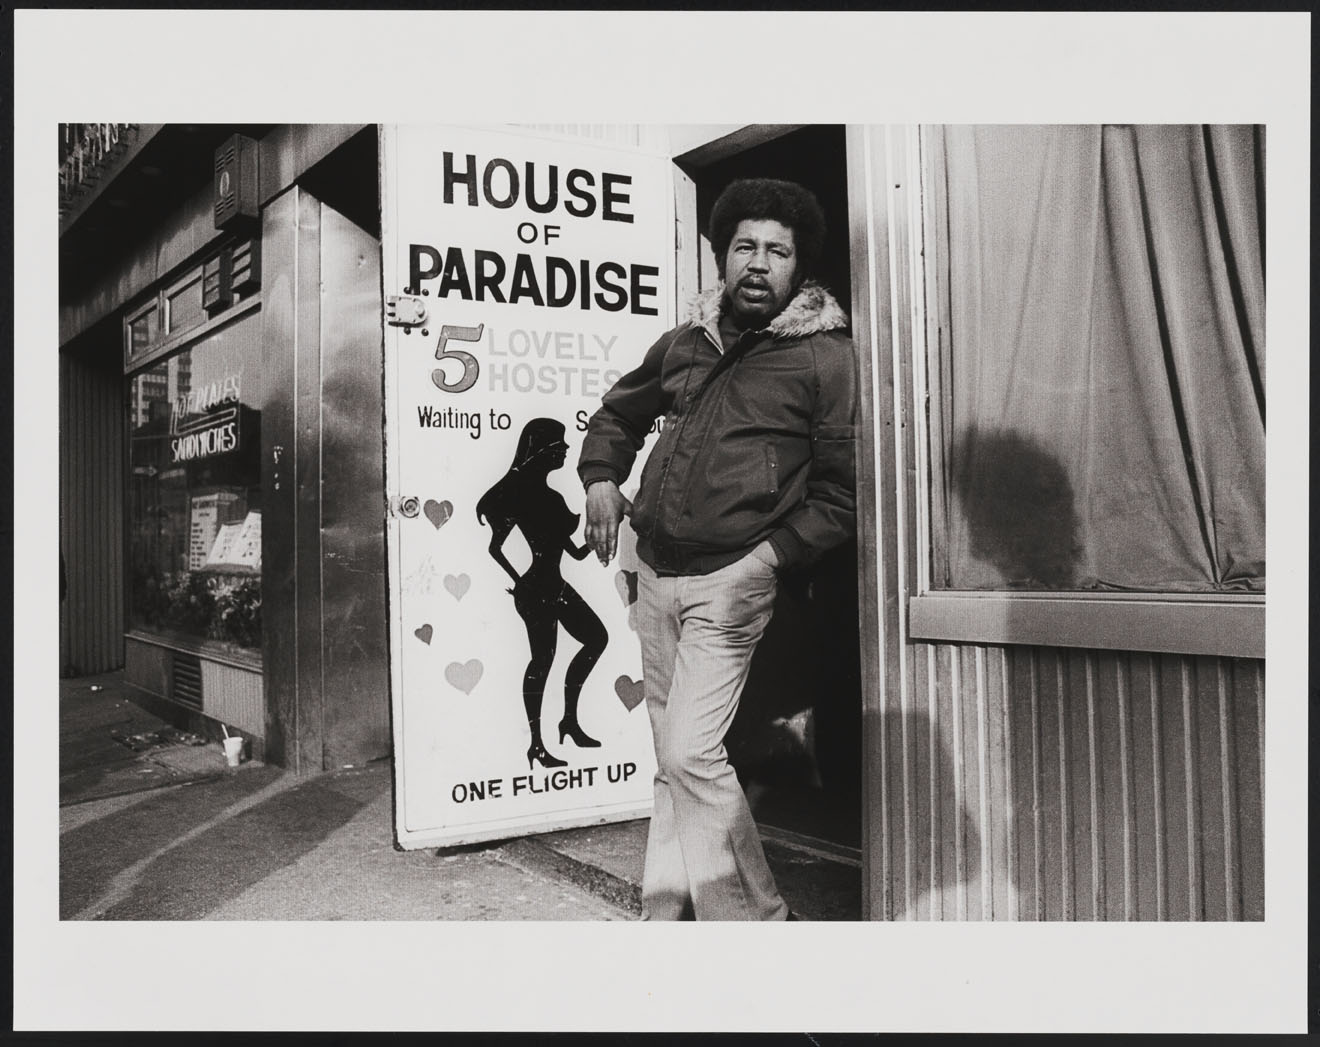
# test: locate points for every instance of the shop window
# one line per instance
(194, 512)
(1096, 361)
(199, 297)
(183, 305)
(143, 330)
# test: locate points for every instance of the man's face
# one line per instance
(760, 270)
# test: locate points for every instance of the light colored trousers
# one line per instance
(703, 851)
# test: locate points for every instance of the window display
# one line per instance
(194, 512)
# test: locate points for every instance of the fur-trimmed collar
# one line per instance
(812, 310)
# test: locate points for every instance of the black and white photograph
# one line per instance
(518, 477)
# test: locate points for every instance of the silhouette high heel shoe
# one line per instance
(570, 729)
(539, 753)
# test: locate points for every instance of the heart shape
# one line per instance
(424, 634)
(626, 583)
(438, 512)
(630, 692)
(458, 585)
(464, 676)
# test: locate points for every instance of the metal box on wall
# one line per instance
(236, 199)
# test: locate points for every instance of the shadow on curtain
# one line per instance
(1101, 296)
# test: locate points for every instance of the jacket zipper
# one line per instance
(733, 356)
(772, 470)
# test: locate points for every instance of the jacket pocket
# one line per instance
(833, 450)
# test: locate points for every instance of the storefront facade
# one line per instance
(1058, 723)
(244, 486)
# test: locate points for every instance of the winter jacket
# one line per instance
(756, 442)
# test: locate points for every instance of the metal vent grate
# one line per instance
(226, 172)
(187, 680)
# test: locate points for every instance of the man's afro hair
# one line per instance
(785, 202)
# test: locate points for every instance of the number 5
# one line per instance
(470, 366)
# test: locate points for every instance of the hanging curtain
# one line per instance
(1099, 376)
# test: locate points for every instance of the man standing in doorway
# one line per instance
(752, 475)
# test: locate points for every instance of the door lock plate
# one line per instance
(408, 505)
(404, 310)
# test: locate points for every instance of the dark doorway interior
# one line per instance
(796, 741)
(349, 180)
(813, 157)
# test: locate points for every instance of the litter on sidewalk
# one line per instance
(145, 740)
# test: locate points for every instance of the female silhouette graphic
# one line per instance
(523, 499)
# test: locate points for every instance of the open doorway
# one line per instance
(796, 741)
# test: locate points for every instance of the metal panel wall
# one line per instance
(325, 645)
(291, 481)
(279, 550)
(92, 509)
(353, 614)
(309, 724)
(877, 528)
(1028, 783)
(234, 696)
(1010, 782)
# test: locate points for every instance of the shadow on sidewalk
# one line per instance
(230, 854)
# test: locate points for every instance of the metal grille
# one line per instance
(187, 688)
(226, 192)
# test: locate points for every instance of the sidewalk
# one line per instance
(154, 826)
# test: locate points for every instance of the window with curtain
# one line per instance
(1097, 359)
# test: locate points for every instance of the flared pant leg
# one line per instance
(703, 854)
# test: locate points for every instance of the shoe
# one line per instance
(580, 737)
(793, 916)
(539, 754)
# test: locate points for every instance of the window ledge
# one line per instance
(212, 650)
(176, 341)
(1232, 627)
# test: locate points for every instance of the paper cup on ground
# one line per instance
(233, 749)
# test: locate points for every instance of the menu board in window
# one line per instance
(208, 514)
(238, 545)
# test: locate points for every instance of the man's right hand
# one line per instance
(606, 508)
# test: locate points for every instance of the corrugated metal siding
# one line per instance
(91, 514)
(1050, 784)
(234, 696)
(1015, 782)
